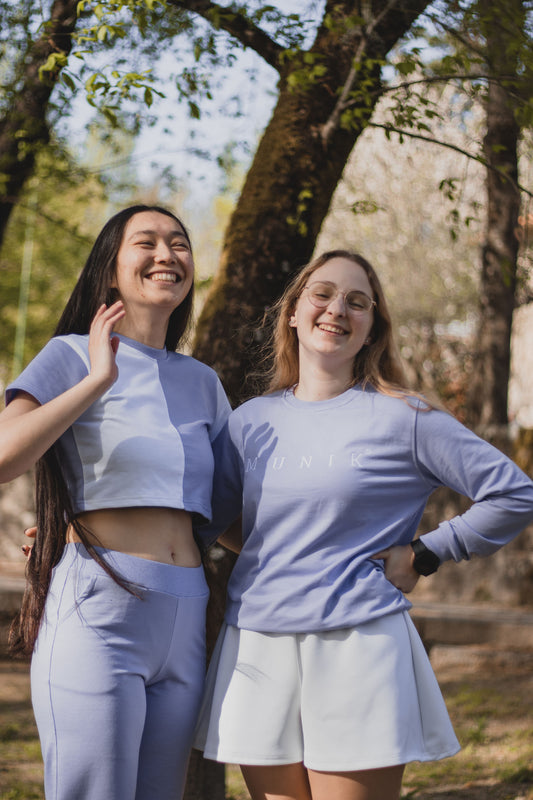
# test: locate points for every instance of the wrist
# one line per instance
(97, 385)
(425, 561)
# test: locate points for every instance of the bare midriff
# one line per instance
(158, 534)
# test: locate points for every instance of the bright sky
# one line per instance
(169, 142)
(242, 103)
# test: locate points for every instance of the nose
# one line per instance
(165, 253)
(337, 305)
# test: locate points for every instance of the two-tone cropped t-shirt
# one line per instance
(147, 440)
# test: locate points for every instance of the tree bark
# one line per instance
(490, 379)
(23, 127)
(289, 186)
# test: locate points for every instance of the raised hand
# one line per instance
(103, 345)
(28, 429)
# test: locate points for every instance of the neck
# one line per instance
(322, 377)
(322, 387)
(150, 332)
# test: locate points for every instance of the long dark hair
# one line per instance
(54, 512)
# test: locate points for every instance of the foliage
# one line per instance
(448, 48)
(61, 211)
(389, 208)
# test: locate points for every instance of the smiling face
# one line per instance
(154, 266)
(336, 333)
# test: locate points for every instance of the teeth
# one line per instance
(331, 329)
(163, 276)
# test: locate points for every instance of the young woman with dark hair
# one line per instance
(120, 426)
(320, 686)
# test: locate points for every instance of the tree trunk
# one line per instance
(23, 128)
(489, 387)
(289, 186)
(285, 198)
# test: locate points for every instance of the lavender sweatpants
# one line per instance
(117, 679)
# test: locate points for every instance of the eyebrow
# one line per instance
(149, 232)
(332, 283)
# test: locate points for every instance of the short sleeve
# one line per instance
(55, 369)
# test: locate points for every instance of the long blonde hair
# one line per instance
(377, 364)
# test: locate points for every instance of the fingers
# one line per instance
(107, 316)
(381, 554)
(103, 345)
(30, 533)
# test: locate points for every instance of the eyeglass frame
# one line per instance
(338, 292)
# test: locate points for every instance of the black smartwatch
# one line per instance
(426, 562)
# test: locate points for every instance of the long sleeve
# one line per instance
(449, 454)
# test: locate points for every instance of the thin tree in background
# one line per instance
(502, 27)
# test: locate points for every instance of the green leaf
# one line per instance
(68, 81)
(194, 110)
(54, 62)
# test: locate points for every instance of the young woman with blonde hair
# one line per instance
(320, 686)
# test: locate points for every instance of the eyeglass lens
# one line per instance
(322, 294)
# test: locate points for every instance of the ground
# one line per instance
(489, 693)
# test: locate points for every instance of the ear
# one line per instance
(292, 321)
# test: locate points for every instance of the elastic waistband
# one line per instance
(175, 580)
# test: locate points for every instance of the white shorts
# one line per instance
(341, 700)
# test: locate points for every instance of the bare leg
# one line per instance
(280, 782)
(369, 784)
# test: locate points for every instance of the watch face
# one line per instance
(425, 562)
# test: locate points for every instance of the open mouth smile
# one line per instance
(164, 277)
(336, 329)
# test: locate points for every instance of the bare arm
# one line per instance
(28, 429)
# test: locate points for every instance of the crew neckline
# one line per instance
(157, 353)
(320, 405)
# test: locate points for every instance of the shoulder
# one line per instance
(191, 365)
(75, 342)
(62, 362)
(72, 347)
(257, 405)
(398, 405)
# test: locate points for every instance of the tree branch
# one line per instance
(430, 79)
(333, 121)
(238, 25)
(456, 148)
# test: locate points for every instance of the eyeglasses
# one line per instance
(321, 294)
